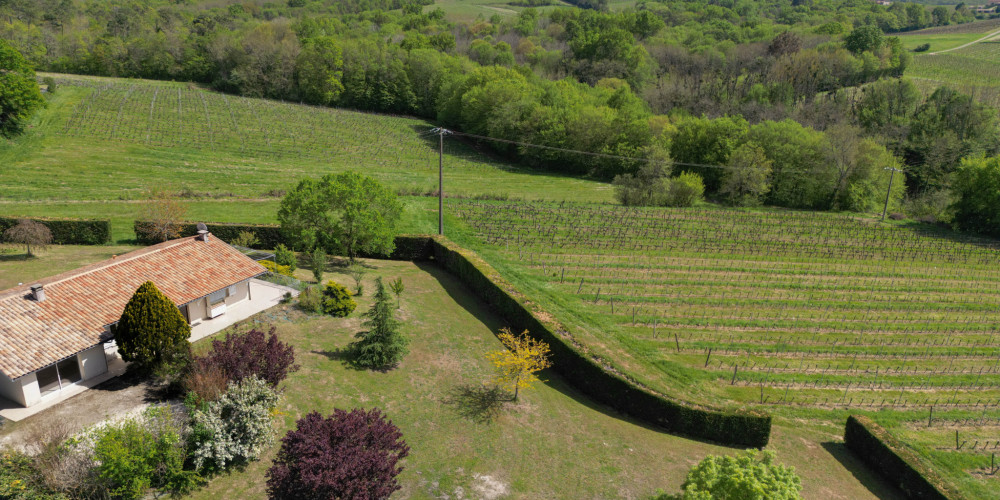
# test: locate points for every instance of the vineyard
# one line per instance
(142, 133)
(772, 308)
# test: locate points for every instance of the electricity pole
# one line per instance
(888, 192)
(441, 133)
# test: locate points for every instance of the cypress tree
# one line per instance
(151, 328)
(381, 345)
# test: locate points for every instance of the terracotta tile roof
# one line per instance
(78, 304)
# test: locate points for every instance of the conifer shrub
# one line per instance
(285, 257)
(351, 454)
(337, 300)
(151, 330)
(382, 345)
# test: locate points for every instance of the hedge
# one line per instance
(69, 231)
(596, 379)
(269, 236)
(892, 459)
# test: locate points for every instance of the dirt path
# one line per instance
(987, 37)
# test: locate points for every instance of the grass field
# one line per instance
(555, 443)
(108, 139)
(804, 315)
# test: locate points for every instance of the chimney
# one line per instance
(202, 232)
(38, 293)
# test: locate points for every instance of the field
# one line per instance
(804, 315)
(107, 139)
(958, 58)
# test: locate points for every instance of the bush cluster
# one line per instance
(250, 354)
(276, 268)
(337, 300)
(285, 257)
(234, 429)
(266, 235)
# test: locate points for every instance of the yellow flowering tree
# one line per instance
(516, 366)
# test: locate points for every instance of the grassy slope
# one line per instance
(553, 433)
(972, 69)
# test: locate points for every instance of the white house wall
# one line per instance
(196, 310)
(240, 291)
(93, 362)
(29, 386)
(11, 389)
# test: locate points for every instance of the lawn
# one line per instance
(16, 267)
(554, 443)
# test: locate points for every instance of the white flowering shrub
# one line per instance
(235, 428)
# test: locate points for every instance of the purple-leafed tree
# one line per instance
(241, 355)
(351, 454)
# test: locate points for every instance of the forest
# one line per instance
(793, 103)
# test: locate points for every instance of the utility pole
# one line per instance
(441, 133)
(888, 192)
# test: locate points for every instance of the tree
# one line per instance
(151, 329)
(30, 234)
(161, 214)
(234, 429)
(516, 366)
(745, 182)
(318, 70)
(397, 287)
(317, 262)
(347, 455)
(708, 142)
(867, 38)
(747, 476)
(254, 353)
(648, 187)
(382, 344)
(977, 185)
(357, 273)
(19, 93)
(348, 213)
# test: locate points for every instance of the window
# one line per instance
(216, 297)
(55, 377)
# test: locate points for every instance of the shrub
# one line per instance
(348, 455)
(20, 478)
(245, 239)
(924, 47)
(236, 428)
(381, 345)
(337, 300)
(648, 187)
(747, 476)
(254, 353)
(276, 268)
(50, 85)
(357, 273)
(311, 300)
(205, 382)
(151, 329)
(70, 231)
(137, 454)
(285, 257)
(685, 190)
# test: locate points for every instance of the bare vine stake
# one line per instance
(654, 328)
(677, 342)
(578, 289)
(733, 381)
(708, 357)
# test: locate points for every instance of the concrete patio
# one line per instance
(263, 295)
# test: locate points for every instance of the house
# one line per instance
(54, 333)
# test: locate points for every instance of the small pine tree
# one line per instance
(317, 260)
(151, 329)
(285, 257)
(337, 300)
(397, 287)
(382, 345)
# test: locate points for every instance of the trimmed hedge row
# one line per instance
(69, 231)
(268, 235)
(888, 456)
(741, 427)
